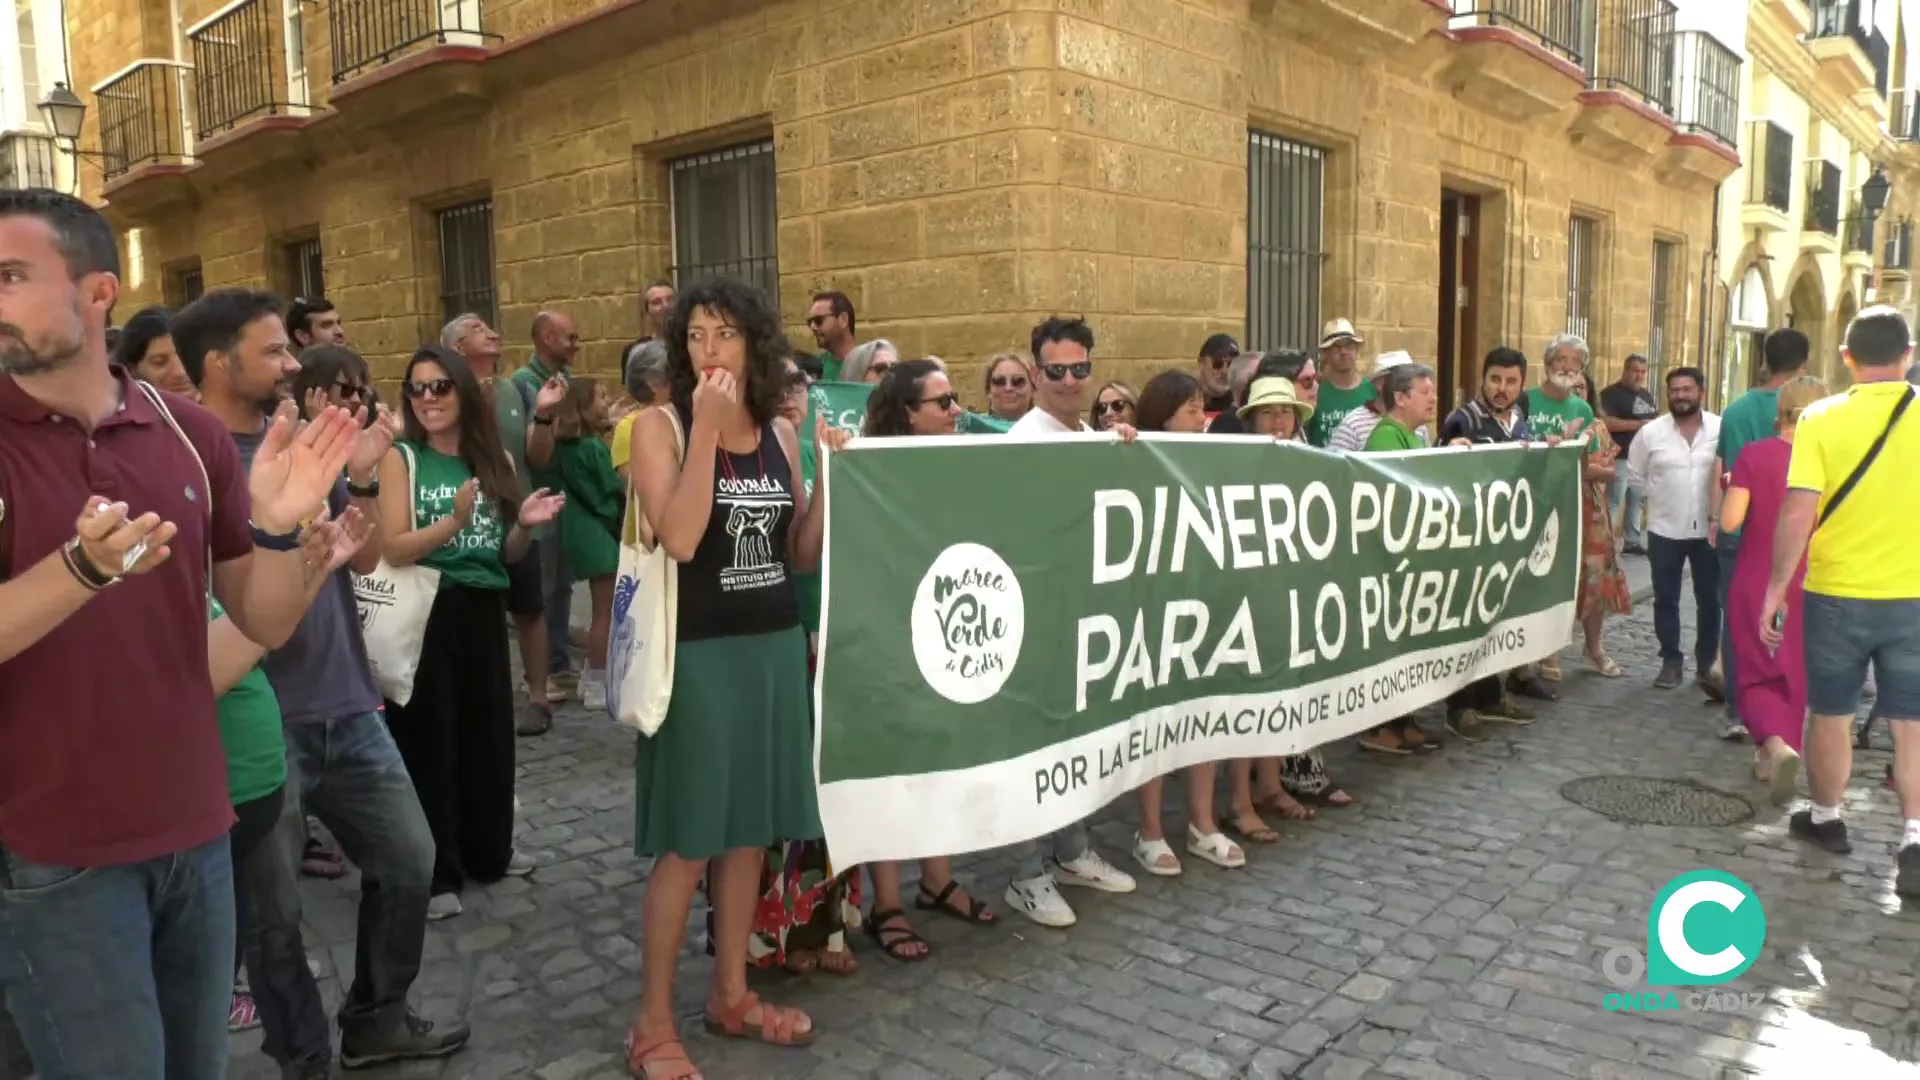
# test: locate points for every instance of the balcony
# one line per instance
(1625, 116)
(1706, 110)
(1903, 121)
(27, 160)
(425, 54)
(1898, 257)
(1770, 182)
(369, 34)
(1354, 27)
(1820, 225)
(1856, 239)
(240, 67)
(145, 118)
(1853, 54)
(1522, 59)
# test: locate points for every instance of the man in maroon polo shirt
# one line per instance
(121, 507)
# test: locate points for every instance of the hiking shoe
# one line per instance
(1831, 836)
(1508, 711)
(411, 1041)
(536, 718)
(1040, 900)
(1906, 876)
(1669, 676)
(1093, 872)
(1465, 724)
(444, 905)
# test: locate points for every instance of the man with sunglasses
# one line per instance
(1063, 364)
(1216, 354)
(832, 321)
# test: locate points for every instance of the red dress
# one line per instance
(1770, 685)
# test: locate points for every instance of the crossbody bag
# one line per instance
(1860, 470)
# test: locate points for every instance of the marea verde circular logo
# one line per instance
(968, 621)
(1706, 927)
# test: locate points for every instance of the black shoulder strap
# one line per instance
(1873, 452)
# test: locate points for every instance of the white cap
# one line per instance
(1387, 361)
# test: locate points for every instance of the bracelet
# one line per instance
(543, 421)
(274, 541)
(370, 491)
(82, 567)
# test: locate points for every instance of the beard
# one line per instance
(1684, 408)
(18, 358)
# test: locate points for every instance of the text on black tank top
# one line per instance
(738, 581)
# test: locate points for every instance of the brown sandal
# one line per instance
(663, 1049)
(777, 1025)
(1284, 804)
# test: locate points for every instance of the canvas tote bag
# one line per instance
(394, 603)
(646, 598)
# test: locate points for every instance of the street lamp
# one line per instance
(64, 111)
(1873, 194)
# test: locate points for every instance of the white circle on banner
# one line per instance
(1545, 547)
(968, 620)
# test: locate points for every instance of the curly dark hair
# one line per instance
(748, 310)
(897, 392)
(1163, 396)
(480, 445)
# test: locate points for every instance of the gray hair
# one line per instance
(1240, 374)
(1568, 341)
(862, 356)
(456, 328)
(645, 370)
(1400, 382)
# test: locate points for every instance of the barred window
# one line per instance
(724, 216)
(466, 261)
(182, 284)
(1666, 256)
(1286, 188)
(1583, 266)
(305, 270)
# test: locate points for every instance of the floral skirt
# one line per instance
(1603, 584)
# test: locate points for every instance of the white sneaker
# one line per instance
(520, 865)
(1039, 900)
(1092, 872)
(593, 691)
(443, 906)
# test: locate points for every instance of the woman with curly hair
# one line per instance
(730, 771)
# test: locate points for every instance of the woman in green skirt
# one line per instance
(730, 771)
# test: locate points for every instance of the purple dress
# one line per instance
(1771, 686)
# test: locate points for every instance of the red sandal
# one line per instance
(776, 1024)
(664, 1050)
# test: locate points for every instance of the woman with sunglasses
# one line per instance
(145, 349)
(1175, 402)
(915, 398)
(869, 361)
(1113, 404)
(449, 500)
(1009, 386)
(730, 771)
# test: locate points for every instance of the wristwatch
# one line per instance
(275, 541)
(370, 491)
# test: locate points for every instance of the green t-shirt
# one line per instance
(250, 730)
(1333, 407)
(596, 501)
(830, 366)
(509, 411)
(472, 557)
(1753, 416)
(806, 587)
(1391, 434)
(1547, 417)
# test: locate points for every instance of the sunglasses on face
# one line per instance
(818, 321)
(435, 388)
(1305, 382)
(880, 367)
(796, 380)
(945, 402)
(1219, 362)
(1117, 406)
(1056, 372)
(349, 390)
(1009, 382)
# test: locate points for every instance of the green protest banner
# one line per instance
(1017, 632)
(844, 405)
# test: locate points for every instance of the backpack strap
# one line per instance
(1860, 470)
(206, 484)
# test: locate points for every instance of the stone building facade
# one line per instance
(960, 168)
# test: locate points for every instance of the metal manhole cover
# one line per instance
(1641, 800)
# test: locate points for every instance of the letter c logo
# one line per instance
(1727, 924)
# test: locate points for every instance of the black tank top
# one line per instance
(738, 581)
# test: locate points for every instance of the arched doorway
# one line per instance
(1829, 366)
(1749, 316)
(1807, 311)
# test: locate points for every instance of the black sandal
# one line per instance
(892, 939)
(976, 912)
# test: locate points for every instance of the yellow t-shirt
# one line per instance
(623, 439)
(1866, 550)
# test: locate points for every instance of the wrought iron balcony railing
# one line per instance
(1899, 249)
(1904, 115)
(1854, 19)
(145, 116)
(367, 34)
(1857, 231)
(240, 67)
(1634, 50)
(1771, 184)
(1823, 198)
(1706, 78)
(1564, 27)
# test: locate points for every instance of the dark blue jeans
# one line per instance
(121, 972)
(348, 774)
(1669, 559)
(556, 587)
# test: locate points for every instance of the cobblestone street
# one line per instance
(1450, 925)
